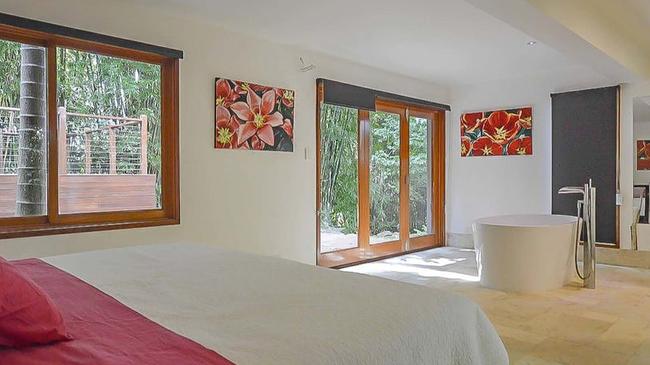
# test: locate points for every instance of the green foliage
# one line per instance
(94, 84)
(339, 171)
(99, 85)
(419, 175)
(339, 181)
(9, 74)
(384, 172)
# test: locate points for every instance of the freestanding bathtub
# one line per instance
(525, 253)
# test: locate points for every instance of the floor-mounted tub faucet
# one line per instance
(586, 214)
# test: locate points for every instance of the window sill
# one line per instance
(52, 229)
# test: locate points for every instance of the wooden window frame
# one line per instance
(364, 251)
(54, 222)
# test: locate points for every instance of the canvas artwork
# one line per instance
(643, 155)
(253, 117)
(497, 133)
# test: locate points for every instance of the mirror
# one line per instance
(641, 192)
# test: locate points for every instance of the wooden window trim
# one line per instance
(56, 223)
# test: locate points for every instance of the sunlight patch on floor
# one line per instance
(412, 260)
(378, 268)
(446, 265)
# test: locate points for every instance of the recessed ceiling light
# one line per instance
(531, 43)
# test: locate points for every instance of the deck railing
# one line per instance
(102, 144)
(88, 144)
(9, 121)
(102, 163)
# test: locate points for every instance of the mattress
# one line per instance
(262, 310)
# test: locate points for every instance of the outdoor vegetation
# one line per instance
(339, 173)
(384, 176)
(99, 85)
(420, 148)
(87, 84)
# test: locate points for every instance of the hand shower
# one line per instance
(587, 215)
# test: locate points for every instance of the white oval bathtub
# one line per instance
(525, 253)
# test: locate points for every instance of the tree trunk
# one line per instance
(30, 195)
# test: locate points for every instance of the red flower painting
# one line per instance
(227, 129)
(526, 118)
(470, 121)
(521, 146)
(501, 126)
(485, 146)
(226, 95)
(465, 146)
(495, 133)
(254, 117)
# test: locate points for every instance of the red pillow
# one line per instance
(27, 315)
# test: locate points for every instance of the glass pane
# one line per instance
(420, 150)
(109, 133)
(23, 132)
(384, 177)
(339, 218)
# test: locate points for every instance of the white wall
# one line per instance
(485, 186)
(256, 201)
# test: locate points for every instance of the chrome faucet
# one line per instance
(586, 214)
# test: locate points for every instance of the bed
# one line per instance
(252, 309)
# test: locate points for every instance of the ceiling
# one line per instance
(449, 42)
(618, 28)
(630, 16)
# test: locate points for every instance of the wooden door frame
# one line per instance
(437, 120)
(364, 252)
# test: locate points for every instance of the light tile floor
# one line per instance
(608, 325)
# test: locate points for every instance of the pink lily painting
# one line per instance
(253, 117)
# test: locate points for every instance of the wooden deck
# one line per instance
(90, 193)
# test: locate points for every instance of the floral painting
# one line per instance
(253, 117)
(497, 133)
(643, 155)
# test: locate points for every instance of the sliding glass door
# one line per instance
(420, 173)
(425, 178)
(339, 179)
(381, 181)
(384, 179)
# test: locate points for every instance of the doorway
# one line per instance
(380, 181)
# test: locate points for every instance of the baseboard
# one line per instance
(460, 240)
(604, 255)
(621, 257)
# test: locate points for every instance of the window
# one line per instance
(108, 112)
(88, 133)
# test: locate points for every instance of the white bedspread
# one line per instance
(262, 310)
